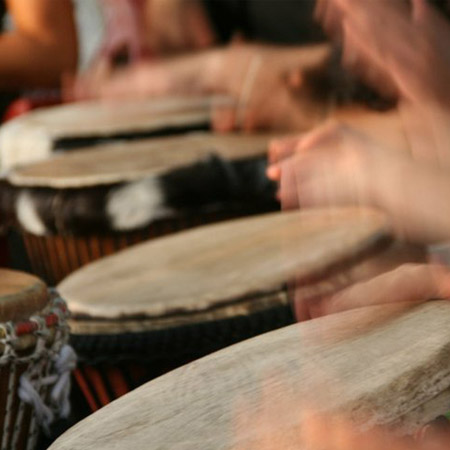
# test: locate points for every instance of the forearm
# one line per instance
(28, 62)
(42, 46)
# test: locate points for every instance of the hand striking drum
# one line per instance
(173, 299)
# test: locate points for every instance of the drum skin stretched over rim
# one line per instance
(35, 135)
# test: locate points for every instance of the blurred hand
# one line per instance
(409, 283)
(336, 165)
(385, 127)
(402, 51)
(331, 432)
(268, 88)
(387, 38)
(331, 165)
(244, 73)
(162, 77)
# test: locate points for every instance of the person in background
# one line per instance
(181, 25)
(38, 48)
(240, 49)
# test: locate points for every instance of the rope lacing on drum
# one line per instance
(46, 383)
(30, 386)
(8, 339)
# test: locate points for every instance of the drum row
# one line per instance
(121, 187)
(161, 304)
(209, 304)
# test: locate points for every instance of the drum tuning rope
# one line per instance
(45, 383)
(29, 389)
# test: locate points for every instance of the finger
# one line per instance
(223, 119)
(314, 296)
(329, 15)
(280, 149)
(273, 172)
(295, 79)
(319, 9)
(289, 188)
(329, 133)
(201, 33)
(419, 10)
(302, 310)
(410, 283)
(249, 121)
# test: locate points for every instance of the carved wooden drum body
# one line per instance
(165, 302)
(35, 360)
(385, 365)
(79, 206)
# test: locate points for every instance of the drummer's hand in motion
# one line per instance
(242, 72)
(402, 51)
(409, 283)
(182, 75)
(336, 165)
(332, 165)
(332, 432)
(385, 127)
(268, 87)
(394, 42)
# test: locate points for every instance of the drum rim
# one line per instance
(245, 306)
(19, 178)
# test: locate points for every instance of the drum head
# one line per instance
(128, 161)
(21, 295)
(385, 365)
(34, 136)
(222, 264)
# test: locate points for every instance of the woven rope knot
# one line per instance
(8, 341)
(59, 381)
(64, 364)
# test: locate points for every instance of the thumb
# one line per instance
(420, 10)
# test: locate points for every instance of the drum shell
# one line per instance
(53, 257)
(20, 430)
(111, 365)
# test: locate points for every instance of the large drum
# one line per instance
(157, 305)
(79, 206)
(385, 365)
(35, 360)
(39, 133)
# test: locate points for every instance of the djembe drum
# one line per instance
(41, 132)
(157, 305)
(35, 360)
(79, 206)
(384, 365)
